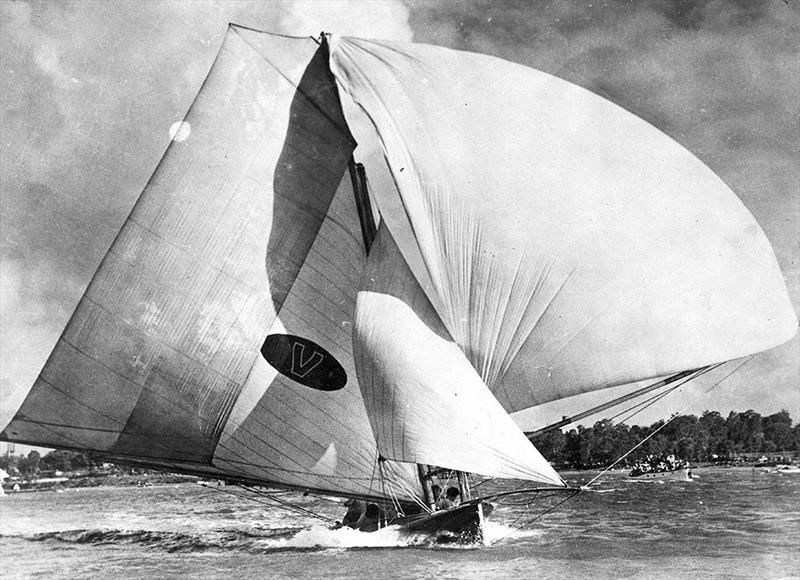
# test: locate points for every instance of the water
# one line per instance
(730, 523)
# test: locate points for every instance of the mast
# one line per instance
(366, 218)
(424, 472)
(358, 177)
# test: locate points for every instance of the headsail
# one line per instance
(566, 244)
(426, 402)
(161, 362)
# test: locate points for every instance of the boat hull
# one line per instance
(462, 524)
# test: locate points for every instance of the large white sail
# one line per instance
(566, 244)
(305, 436)
(426, 402)
(238, 244)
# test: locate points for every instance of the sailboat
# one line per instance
(267, 317)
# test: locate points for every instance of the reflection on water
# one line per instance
(730, 523)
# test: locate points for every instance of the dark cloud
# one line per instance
(89, 91)
(695, 15)
(719, 77)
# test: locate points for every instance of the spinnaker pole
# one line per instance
(613, 403)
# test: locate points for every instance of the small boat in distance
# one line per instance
(664, 468)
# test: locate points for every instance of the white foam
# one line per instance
(323, 537)
(494, 532)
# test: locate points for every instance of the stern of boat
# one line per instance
(463, 524)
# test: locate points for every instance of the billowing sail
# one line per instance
(215, 337)
(565, 244)
(426, 402)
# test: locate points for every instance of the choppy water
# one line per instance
(730, 523)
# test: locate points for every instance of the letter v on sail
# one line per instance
(304, 361)
(543, 242)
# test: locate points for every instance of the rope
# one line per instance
(392, 495)
(674, 416)
(647, 403)
(286, 505)
(534, 519)
(409, 491)
(642, 405)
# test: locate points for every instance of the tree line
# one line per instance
(37, 465)
(708, 438)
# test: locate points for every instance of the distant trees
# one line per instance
(34, 464)
(29, 466)
(697, 439)
(706, 438)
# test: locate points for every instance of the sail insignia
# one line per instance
(304, 361)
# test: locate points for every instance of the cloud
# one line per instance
(719, 77)
(90, 90)
(364, 18)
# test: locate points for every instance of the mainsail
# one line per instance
(161, 362)
(540, 242)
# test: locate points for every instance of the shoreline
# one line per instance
(84, 481)
(153, 479)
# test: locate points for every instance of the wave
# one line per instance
(314, 538)
(169, 541)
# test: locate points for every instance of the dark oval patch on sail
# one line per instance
(304, 361)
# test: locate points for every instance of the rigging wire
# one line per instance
(673, 417)
(398, 508)
(410, 492)
(644, 405)
(649, 402)
(270, 496)
(535, 518)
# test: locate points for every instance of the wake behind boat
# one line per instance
(266, 318)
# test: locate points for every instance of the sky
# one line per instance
(90, 90)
